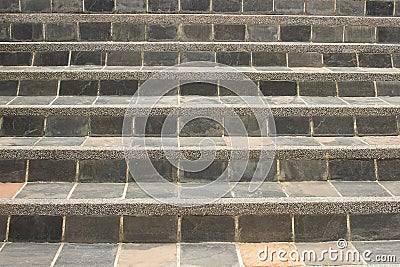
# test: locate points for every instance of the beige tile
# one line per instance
(250, 252)
(8, 190)
(154, 255)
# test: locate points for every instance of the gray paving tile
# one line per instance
(323, 101)
(381, 248)
(103, 141)
(45, 191)
(268, 189)
(87, 255)
(391, 100)
(340, 141)
(296, 141)
(360, 189)
(25, 254)
(284, 100)
(113, 100)
(155, 189)
(60, 141)
(365, 101)
(32, 100)
(17, 141)
(74, 100)
(392, 186)
(201, 141)
(98, 190)
(309, 189)
(143, 255)
(208, 255)
(205, 190)
(5, 99)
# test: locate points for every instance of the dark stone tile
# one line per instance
(262, 33)
(234, 58)
(160, 58)
(388, 34)
(200, 127)
(150, 229)
(27, 31)
(317, 88)
(278, 88)
(359, 34)
(375, 227)
(95, 31)
(79, 87)
(38, 87)
(118, 87)
(58, 58)
(98, 191)
(61, 32)
(99, 5)
(106, 126)
(162, 32)
(67, 126)
(388, 170)
(35, 229)
(4, 31)
(195, 5)
(9, 6)
(249, 125)
(209, 255)
(152, 172)
(3, 227)
(327, 34)
(388, 88)
(124, 58)
(39, 254)
(45, 191)
(353, 170)
(22, 126)
(15, 58)
(380, 8)
(295, 33)
(350, 7)
(375, 60)
(333, 126)
(88, 58)
(153, 126)
(309, 189)
(128, 32)
(340, 60)
(258, 6)
(396, 60)
(292, 126)
(51, 170)
(303, 170)
(309, 59)
(320, 7)
(356, 88)
(269, 59)
(30, 6)
(246, 170)
(92, 229)
(360, 189)
(199, 88)
(226, 6)
(102, 171)
(197, 56)
(12, 171)
(291, 7)
(216, 170)
(208, 229)
(377, 125)
(163, 5)
(226, 32)
(8, 88)
(196, 32)
(131, 6)
(265, 228)
(87, 255)
(67, 6)
(319, 228)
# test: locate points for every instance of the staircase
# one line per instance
(75, 190)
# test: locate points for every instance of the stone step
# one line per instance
(99, 159)
(198, 27)
(93, 213)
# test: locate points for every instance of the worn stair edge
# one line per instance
(203, 19)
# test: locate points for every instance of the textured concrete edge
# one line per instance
(204, 19)
(221, 153)
(200, 46)
(378, 205)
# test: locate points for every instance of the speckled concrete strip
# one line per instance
(121, 110)
(230, 207)
(143, 73)
(221, 153)
(204, 19)
(200, 46)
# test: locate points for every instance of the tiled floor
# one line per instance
(201, 254)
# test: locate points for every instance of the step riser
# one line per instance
(166, 229)
(330, 7)
(282, 169)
